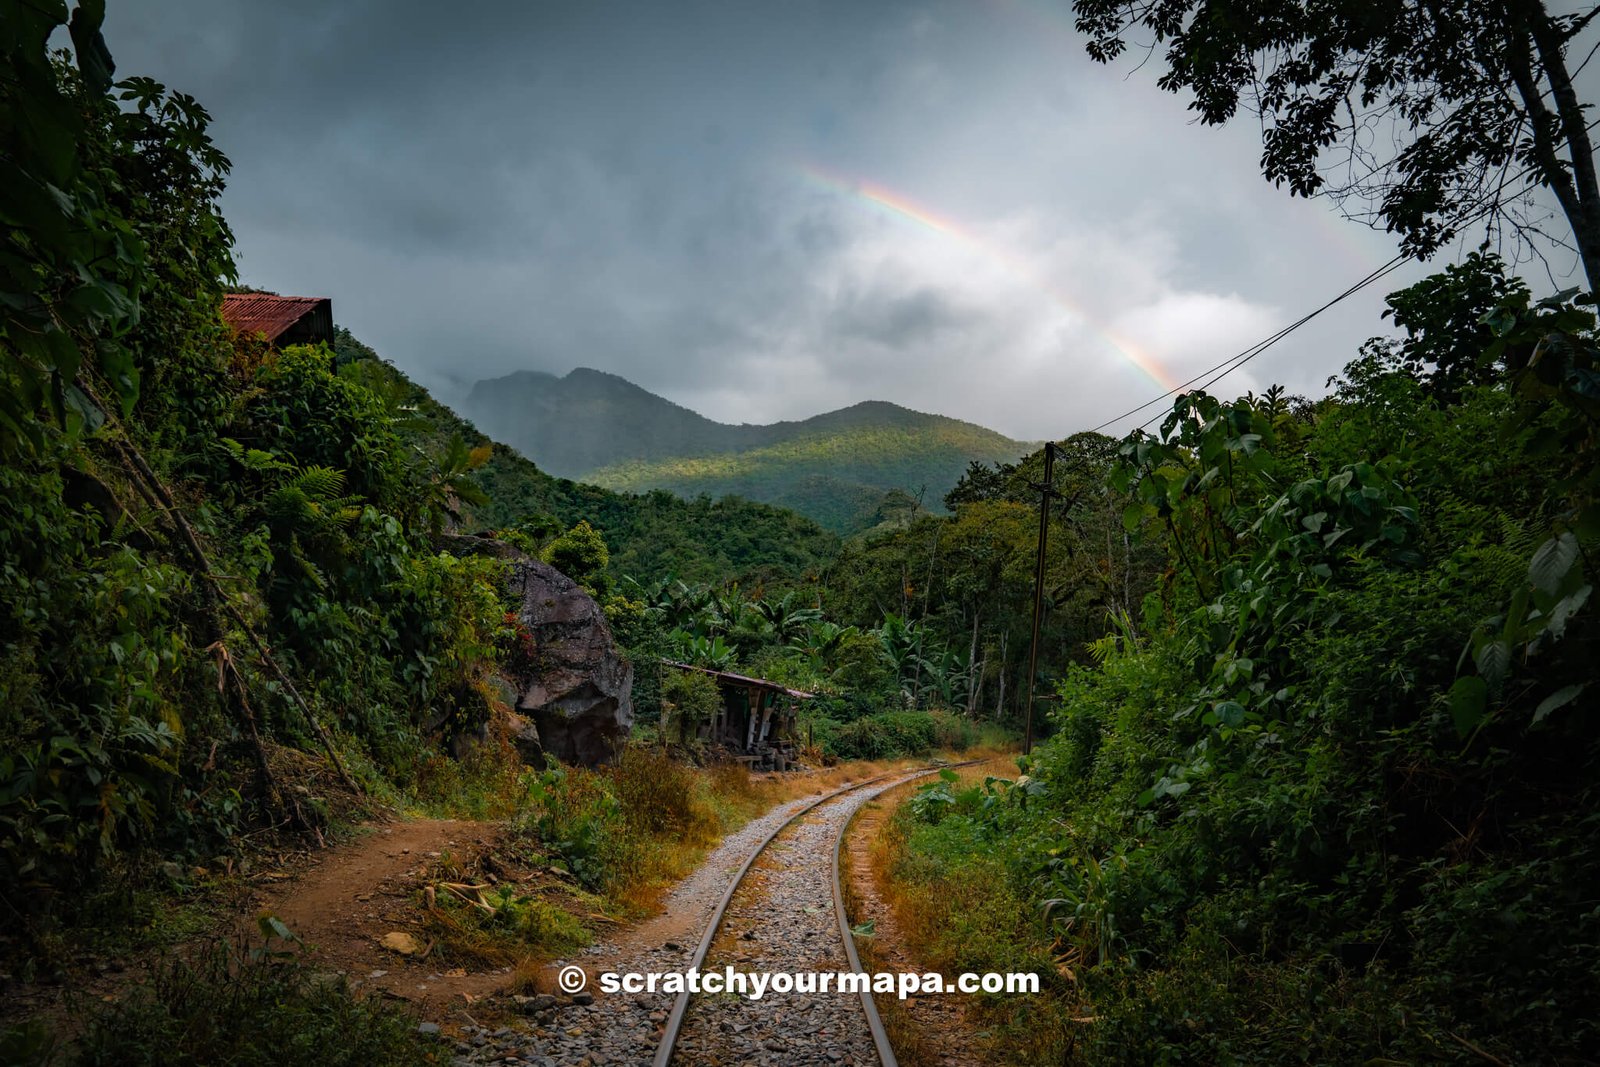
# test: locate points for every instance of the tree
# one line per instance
(1446, 319)
(71, 263)
(581, 555)
(1432, 113)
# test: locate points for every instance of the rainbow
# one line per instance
(898, 206)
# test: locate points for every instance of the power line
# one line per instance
(1252, 353)
(1240, 358)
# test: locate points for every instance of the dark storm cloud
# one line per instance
(899, 320)
(493, 186)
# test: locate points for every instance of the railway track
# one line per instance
(825, 1031)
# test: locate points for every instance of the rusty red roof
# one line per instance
(740, 679)
(266, 314)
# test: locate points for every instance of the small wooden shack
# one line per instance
(756, 720)
(282, 320)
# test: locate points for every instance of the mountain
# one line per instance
(650, 535)
(834, 468)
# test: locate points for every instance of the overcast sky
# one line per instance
(759, 209)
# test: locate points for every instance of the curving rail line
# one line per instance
(680, 1006)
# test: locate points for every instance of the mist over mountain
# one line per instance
(835, 467)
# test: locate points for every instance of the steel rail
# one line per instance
(880, 1036)
(680, 1006)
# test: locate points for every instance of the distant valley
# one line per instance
(837, 468)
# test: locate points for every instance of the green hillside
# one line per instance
(861, 464)
(834, 468)
(649, 534)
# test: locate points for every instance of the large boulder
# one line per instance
(576, 686)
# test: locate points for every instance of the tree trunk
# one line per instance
(1000, 701)
(1580, 150)
(972, 665)
(1574, 187)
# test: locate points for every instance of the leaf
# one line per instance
(1230, 712)
(866, 929)
(1494, 660)
(1468, 699)
(272, 926)
(1552, 561)
(1559, 699)
(1564, 609)
(402, 943)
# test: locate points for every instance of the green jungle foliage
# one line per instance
(957, 590)
(894, 689)
(1319, 781)
(1335, 799)
(833, 468)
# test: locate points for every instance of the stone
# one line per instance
(401, 942)
(465, 742)
(576, 690)
(524, 737)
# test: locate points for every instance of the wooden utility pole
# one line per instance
(1046, 491)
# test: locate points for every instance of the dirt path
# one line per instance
(359, 891)
(931, 1031)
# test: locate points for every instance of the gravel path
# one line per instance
(789, 890)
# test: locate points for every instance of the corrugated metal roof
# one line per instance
(741, 679)
(251, 313)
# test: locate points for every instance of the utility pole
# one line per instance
(1046, 491)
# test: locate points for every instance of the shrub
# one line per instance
(508, 927)
(255, 1010)
(581, 555)
(885, 735)
(689, 699)
(662, 796)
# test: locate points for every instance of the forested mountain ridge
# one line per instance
(834, 467)
(650, 533)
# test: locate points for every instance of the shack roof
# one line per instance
(744, 680)
(273, 316)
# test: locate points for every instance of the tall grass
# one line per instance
(954, 903)
(628, 831)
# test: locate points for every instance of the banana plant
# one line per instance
(900, 640)
(820, 642)
(784, 618)
(951, 674)
(701, 651)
